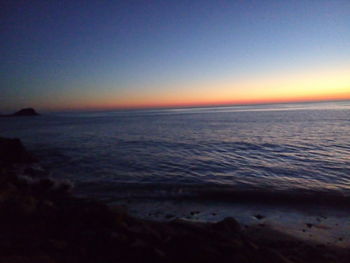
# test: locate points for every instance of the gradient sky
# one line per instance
(118, 54)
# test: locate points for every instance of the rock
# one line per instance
(26, 112)
(168, 216)
(13, 151)
(194, 213)
(259, 217)
(23, 112)
(229, 224)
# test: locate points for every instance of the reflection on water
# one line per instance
(281, 147)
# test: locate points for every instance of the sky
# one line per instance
(64, 55)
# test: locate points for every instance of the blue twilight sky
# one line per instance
(96, 54)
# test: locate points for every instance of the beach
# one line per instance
(42, 221)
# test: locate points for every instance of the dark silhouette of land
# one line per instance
(22, 112)
(13, 151)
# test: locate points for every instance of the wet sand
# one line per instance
(319, 224)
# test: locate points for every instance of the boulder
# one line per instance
(228, 225)
(13, 151)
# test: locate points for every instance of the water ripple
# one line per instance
(281, 148)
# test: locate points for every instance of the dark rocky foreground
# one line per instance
(40, 221)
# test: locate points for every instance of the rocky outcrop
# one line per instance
(26, 112)
(22, 112)
(13, 151)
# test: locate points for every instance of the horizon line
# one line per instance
(184, 106)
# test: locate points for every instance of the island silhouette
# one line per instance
(22, 112)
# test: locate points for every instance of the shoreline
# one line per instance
(43, 222)
(326, 227)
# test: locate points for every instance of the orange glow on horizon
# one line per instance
(297, 87)
(180, 104)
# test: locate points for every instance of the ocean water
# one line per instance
(278, 150)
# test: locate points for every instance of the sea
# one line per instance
(213, 151)
(160, 160)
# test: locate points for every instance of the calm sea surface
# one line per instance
(281, 148)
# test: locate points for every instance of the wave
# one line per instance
(273, 156)
(215, 193)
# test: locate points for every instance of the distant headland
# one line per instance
(22, 112)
